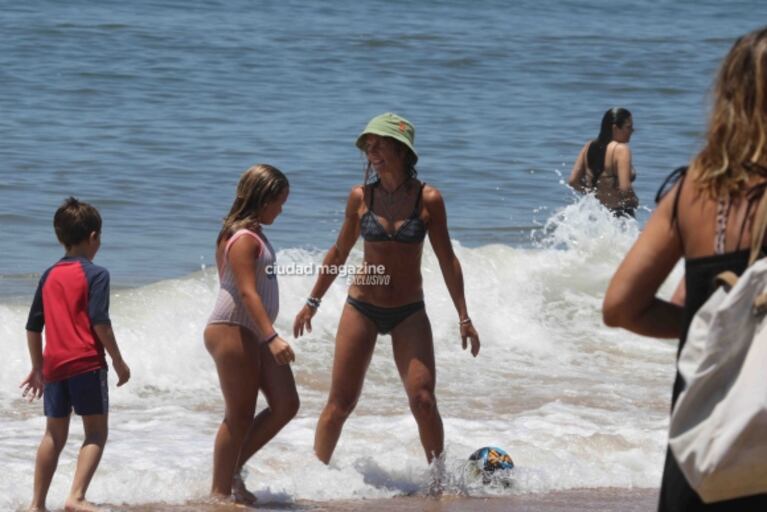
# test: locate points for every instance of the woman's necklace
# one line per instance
(391, 200)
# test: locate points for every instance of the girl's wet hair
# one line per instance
(736, 139)
(74, 222)
(258, 186)
(595, 156)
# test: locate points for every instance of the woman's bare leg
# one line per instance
(355, 341)
(414, 354)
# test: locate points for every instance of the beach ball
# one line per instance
(489, 459)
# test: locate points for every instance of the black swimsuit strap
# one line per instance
(675, 210)
(669, 183)
(418, 201)
(675, 179)
(743, 224)
(753, 195)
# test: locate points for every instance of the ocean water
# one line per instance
(152, 109)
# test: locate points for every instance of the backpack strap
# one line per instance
(728, 279)
(760, 304)
(757, 236)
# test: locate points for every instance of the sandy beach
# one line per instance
(592, 500)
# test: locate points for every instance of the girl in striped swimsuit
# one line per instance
(240, 336)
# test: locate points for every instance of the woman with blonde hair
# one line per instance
(240, 336)
(705, 218)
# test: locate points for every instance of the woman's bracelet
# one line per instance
(270, 338)
(464, 321)
(313, 302)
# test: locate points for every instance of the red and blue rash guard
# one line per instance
(72, 297)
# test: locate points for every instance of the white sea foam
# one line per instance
(574, 403)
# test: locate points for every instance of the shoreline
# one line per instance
(603, 499)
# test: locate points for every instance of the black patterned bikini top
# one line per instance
(412, 230)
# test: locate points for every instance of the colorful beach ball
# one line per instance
(489, 459)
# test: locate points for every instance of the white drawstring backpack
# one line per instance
(718, 431)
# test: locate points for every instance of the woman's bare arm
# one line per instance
(334, 258)
(624, 170)
(448, 263)
(630, 301)
(576, 179)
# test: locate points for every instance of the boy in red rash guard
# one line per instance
(72, 302)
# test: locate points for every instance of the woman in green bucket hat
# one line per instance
(393, 211)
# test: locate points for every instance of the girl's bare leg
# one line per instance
(279, 388)
(236, 354)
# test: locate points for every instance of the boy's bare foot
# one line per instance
(75, 505)
(36, 508)
(241, 493)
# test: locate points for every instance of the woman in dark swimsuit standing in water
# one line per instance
(393, 213)
(604, 165)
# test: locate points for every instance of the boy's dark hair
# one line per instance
(75, 221)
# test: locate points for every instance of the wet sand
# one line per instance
(591, 500)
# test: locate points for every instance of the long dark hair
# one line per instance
(595, 156)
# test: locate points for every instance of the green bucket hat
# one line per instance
(390, 125)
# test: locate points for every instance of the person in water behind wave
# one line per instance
(604, 165)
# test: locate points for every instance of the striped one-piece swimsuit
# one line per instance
(229, 307)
